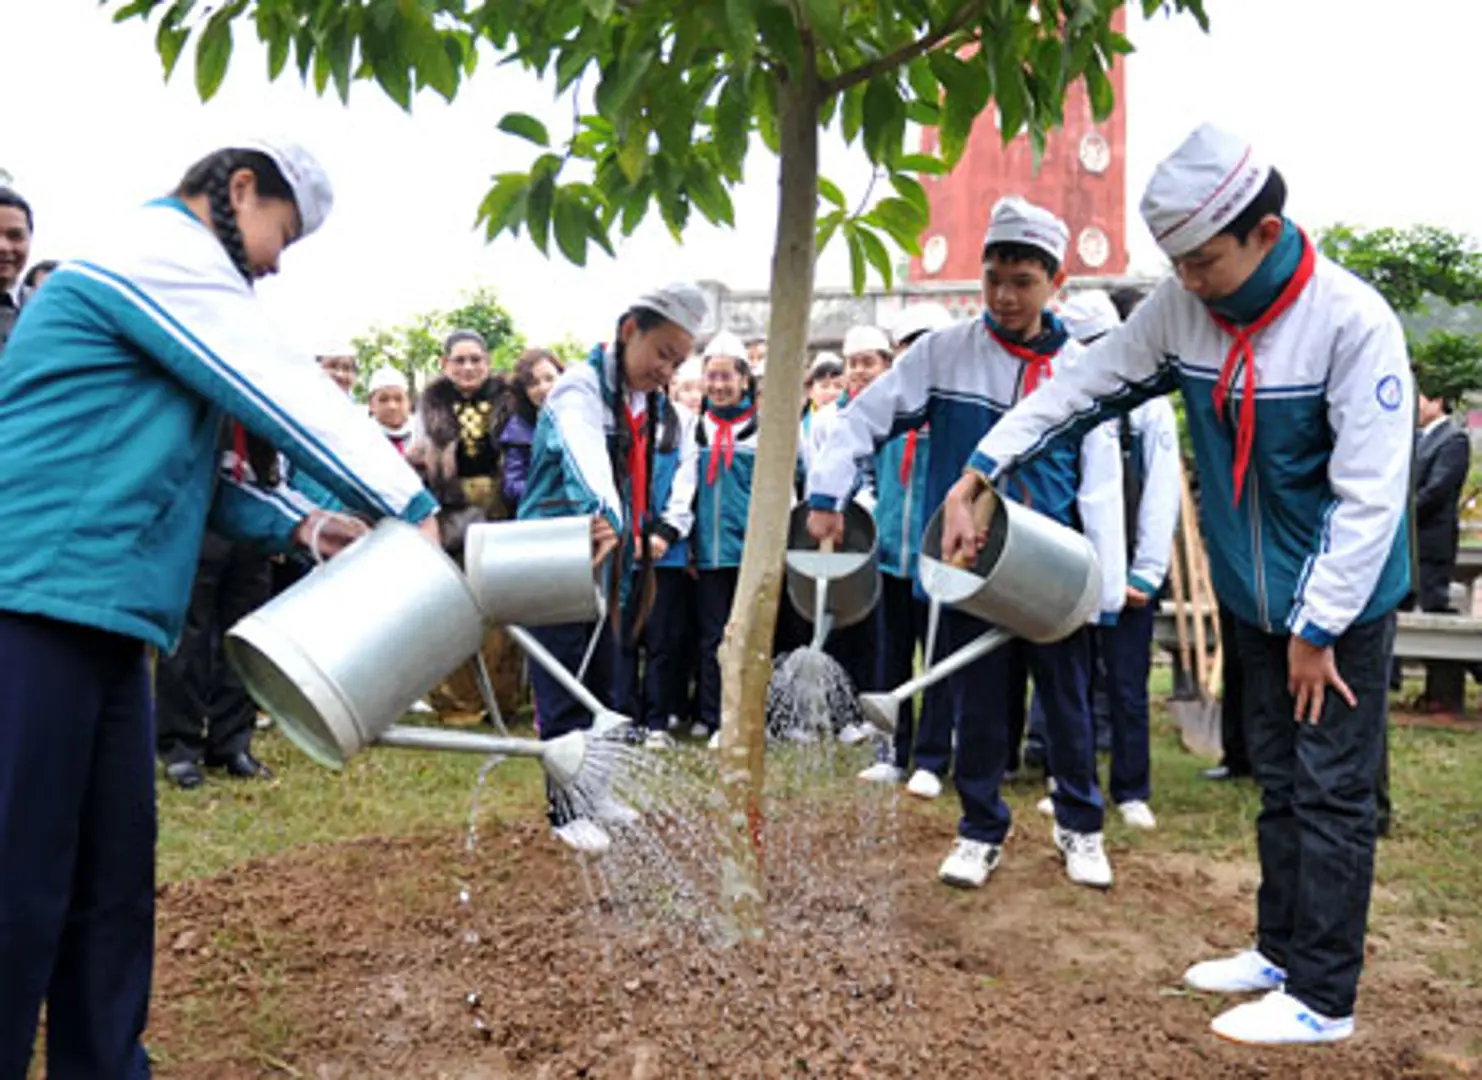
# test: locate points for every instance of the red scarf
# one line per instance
(1037, 364)
(638, 465)
(1242, 351)
(725, 441)
(239, 447)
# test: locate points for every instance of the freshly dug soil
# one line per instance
(360, 961)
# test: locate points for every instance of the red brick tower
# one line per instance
(1081, 179)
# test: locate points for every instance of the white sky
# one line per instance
(1363, 104)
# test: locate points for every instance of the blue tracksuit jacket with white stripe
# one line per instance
(113, 392)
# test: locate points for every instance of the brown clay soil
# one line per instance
(357, 961)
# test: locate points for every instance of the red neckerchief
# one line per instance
(239, 447)
(1037, 365)
(725, 441)
(638, 465)
(1242, 351)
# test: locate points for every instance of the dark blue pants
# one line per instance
(560, 713)
(980, 695)
(653, 679)
(77, 832)
(1316, 831)
(713, 594)
(900, 626)
(1127, 653)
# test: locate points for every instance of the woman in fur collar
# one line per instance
(457, 447)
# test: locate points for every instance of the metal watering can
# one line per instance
(1034, 579)
(832, 588)
(341, 656)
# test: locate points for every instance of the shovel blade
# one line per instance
(1199, 726)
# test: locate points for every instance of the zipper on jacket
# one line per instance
(720, 482)
(906, 523)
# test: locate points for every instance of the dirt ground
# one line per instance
(359, 961)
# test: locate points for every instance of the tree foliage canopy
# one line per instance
(416, 346)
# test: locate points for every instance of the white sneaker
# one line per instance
(675, 723)
(969, 863)
(584, 835)
(714, 743)
(1137, 814)
(610, 810)
(1085, 859)
(1278, 1019)
(659, 740)
(700, 731)
(854, 734)
(925, 784)
(421, 708)
(1046, 806)
(1246, 972)
(883, 772)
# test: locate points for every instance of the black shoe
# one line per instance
(242, 766)
(1223, 772)
(186, 775)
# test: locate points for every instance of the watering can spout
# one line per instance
(562, 758)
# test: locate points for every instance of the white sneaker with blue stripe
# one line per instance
(1247, 972)
(1278, 1019)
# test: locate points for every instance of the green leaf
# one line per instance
(526, 127)
(923, 80)
(857, 257)
(213, 52)
(278, 45)
(825, 18)
(395, 81)
(620, 81)
(1009, 91)
(922, 163)
(878, 255)
(601, 10)
(741, 23)
(827, 226)
(911, 190)
(957, 124)
(633, 154)
(779, 30)
(138, 7)
(709, 195)
(902, 220)
(1099, 89)
(884, 120)
(830, 191)
(504, 205)
(731, 127)
(538, 209)
(571, 227)
(169, 42)
(966, 81)
(851, 111)
(764, 107)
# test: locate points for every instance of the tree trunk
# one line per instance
(746, 654)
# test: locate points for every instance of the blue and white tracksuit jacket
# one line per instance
(962, 382)
(1318, 542)
(722, 504)
(571, 458)
(674, 490)
(1155, 456)
(115, 386)
(900, 504)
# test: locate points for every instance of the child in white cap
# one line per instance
(114, 394)
(594, 454)
(1298, 396)
(391, 406)
(961, 380)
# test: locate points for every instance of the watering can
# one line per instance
(1034, 579)
(535, 573)
(834, 588)
(338, 658)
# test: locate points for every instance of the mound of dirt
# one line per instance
(360, 961)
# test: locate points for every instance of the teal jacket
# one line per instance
(113, 392)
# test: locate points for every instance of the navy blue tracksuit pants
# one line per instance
(77, 832)
(653, 679)
(900, 625)
(980, 701)
(1127, 652)
(1317, 827)
(559, 712)
(713, 595)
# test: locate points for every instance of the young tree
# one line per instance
(666, 96)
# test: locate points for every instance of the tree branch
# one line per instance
(905, 54)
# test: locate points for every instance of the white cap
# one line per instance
(1016, 221)
(385, 378)
(726, 343)
(866, 339)
(1200, 188)
(305, 176)
(824, 358)
(334, 348)
(692, 370)
(920, 319)
(1088, 314)
(682, 303)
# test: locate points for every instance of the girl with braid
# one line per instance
(593, 454)
(117, 391)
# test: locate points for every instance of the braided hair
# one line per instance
(212, 177)
(645, 319)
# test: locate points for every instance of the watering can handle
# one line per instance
(826, 545)
(982, 514)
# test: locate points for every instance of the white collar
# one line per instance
(15, 294)
(1437, 422)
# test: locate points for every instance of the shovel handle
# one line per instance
(982, 514)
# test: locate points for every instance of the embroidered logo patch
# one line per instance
(1389, 393)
